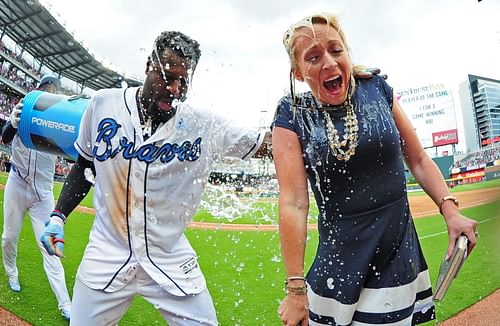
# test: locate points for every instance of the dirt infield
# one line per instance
(9, 319)
(483, 313)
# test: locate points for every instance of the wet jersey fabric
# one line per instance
(369, 267)
(147, 190)
(34, 167)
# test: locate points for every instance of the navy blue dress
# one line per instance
(369, 267)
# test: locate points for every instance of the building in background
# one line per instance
(480, 99)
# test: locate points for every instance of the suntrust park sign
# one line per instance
(431, 110)
(53, 125)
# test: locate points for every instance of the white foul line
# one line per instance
(446, 232)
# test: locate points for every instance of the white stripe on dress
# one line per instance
(384, 300)
(330, 307)
(394, 298)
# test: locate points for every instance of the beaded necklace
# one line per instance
(342, 150)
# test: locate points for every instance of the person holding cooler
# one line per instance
(29, 189)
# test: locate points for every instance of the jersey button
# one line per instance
(137, 174)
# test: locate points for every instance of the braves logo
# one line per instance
(107, 129)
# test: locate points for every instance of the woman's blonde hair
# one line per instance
(308, 21)
(322, 18)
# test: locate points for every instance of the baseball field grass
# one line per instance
(244, 270)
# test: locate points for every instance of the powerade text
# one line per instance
(53, 125)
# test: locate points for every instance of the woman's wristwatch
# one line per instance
(445, 198)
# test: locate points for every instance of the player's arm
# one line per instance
(74, 190)
(431, 180)
(265, 149)
(8, 133)
(76, 186)
(10, 128)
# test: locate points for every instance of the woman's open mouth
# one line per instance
(333, 84)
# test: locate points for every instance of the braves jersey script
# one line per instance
(146, 191)
(34, 167)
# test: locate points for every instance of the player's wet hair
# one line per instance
(180, 44)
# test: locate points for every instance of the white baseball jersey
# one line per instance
(34, 167)
(146, 191)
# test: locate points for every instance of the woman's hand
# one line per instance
(294, 310)
(457, 225)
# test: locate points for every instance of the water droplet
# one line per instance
(276, 259)
(329, 283)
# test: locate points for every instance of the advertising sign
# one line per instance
(432, 113)
(444, 137)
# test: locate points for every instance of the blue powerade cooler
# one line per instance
(50, 122)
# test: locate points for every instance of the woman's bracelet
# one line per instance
(295, 278)
(297, 290)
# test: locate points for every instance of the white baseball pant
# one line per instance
(19, 197)
(96, 307)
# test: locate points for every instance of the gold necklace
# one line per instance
(143, 116)
(343, 150)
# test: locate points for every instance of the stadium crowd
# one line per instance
(18, 57)
(478, 158)
(16, 75)
(13, 72)
(7, 102)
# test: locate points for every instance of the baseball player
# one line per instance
(151, 156)
(29, 189)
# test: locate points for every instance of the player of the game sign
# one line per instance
(432, 113)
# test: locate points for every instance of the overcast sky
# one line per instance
(244, 68)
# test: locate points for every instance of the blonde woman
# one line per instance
(349, 137)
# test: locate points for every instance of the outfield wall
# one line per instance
(444, 163)
(492, 172)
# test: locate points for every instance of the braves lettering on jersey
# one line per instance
(146, 191)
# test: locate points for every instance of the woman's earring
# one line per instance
(297, 75)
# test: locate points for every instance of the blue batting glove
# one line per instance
(52, 237)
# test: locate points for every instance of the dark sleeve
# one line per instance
(389, 92)
(283, 117)
(8, 133)
(76, 187)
